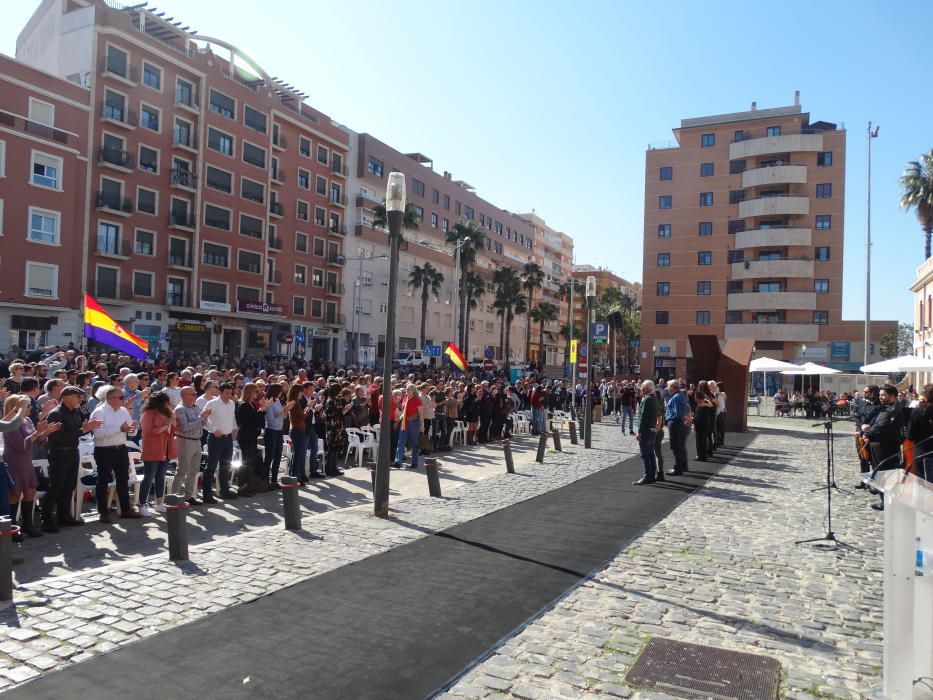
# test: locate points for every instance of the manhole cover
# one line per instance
(696, 671)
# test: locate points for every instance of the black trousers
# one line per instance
(112, 461)
(484, 423)
(63, 478)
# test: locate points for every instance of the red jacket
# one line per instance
(156, 447)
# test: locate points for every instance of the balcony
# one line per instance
(751, 269)
(274, 277)
(111, 291)
(276, 209)
(775, 175)
(114, 248)
(42, 131)
(785, 205)
(340, 169)
(771, 301)
(113, 204)
(188, 142)
(339, 229)
(180, 300)
(188, 102)
(336, 259)
(770, 237)
(126, 74)
(768, 145)
(335, 319)
(275, 243)
(278, 176)
(786, 332)
(116, 159)
(119, 116)
(183, 222)
(279, 142)
(180, 261)
(339, 200)
(184, 179)
(335, 290)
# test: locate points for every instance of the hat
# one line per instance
(72, 391)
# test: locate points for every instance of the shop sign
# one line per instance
(215, 306)
(321, 332)
(259, 307)
(840, 350)
(190, 327)
(259, 326)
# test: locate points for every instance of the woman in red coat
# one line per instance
(156, 422)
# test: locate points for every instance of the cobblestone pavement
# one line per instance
(65, 619)
(723, 570)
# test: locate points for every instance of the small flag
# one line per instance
(456, 357)
(99, 326)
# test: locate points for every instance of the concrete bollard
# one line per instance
(555, 435)
(509, 462)
(372, 477)
(7, 530)
(434, 479)
(290, 488)
(177, 521)
(542, 446)
(573, 432)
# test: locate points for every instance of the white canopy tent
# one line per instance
(811, 369)
(768, 364)
(907, 363)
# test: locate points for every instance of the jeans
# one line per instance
(439, 439)
(646, 445)
(299, 450)
(627, 413)
(406, 436)
(113, 461)
(154, 471)
(272, 442)
(219, 452)
(538, 420)
(658, 442)
(312, 438)
(678, 437)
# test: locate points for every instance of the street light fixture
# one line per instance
(588, 416)
(395, 213)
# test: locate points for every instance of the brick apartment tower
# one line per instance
(744, 229)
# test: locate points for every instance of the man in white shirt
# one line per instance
(220, 422)
(110, 453)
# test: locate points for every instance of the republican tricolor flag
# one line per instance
(99, 326)
(456, 357)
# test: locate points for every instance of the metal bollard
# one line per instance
(434, 480)
(290, 488)
(177, 520)
(372, 476)
(555, 434)
(7, 530)
(509, 462)
(542, 446)
(573, 432)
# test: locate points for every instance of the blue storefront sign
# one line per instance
(839, 350)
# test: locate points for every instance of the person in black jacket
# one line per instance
(885, 435)
(864, 412)
(251, 419)
(920, 432)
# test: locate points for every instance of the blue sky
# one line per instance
(550, 105)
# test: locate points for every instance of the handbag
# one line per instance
(424, 443)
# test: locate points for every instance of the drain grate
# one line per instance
(696, 671)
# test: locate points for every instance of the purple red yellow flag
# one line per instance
(99, 326)
(456, 357)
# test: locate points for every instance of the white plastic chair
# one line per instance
(368, 442)
(355, 445)
(458, 433)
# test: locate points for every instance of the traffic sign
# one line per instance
(573, 351)
(289, 339)
(600, 332)
(489, 353)
(299, 338)
(583, 352)
(489, 365)
(431, 350)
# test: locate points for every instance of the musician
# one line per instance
(920, 432)
(885, 434)
(863, 412)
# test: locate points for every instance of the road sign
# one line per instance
(299, 338)
(635, 343)
(573, 351)
(583, 352)
(600, 332)
(489, 353)
(289, 339)
(489, 365)
(431, 350)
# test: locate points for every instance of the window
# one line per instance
(769, 255)
(181, 133)
(739, 135)
(175, 291)
(445, 225)
(705, 257)
(317, 308)
(184, 93)
(663, 289)
(773, 131)
(735, 256)
(664, 259)
(319, 216)
(152, 76)
(667, 173)
(301, 210)
(706, 169)
(704, 288)
(417, 187)
(317, 278)
(707, 140)
(824, 190)
(43, 226)
(436, 198)
(768, 287)
(334, 224)
(252, 190)
(735, 286)
(251, 226)
(145, 243)
(661, 318)
(215, 292)
(664, 230)
(148, 159)
(304, 179)
(736, 196)
(117, 61)
(249, 262)
(824, 222)
(447, 201)
(298, 306)
(149, 117)
(142, 284)
(223, 105)
(254, 155)
(114, 106)
(41, 112)
(107, 282)
(254, 119)
(821, 318)
(335, 197)
(247, 293)
(304, 146)
(822, 253)
(220, 142)
(702, 318)
(706, 228)
(322, 154)
(733, 317)
(468, 213)
(146, 201)
(736, 167)
(216, 217)
(433, 220)
(824, 159)
(219, 180)
(301, 274)
(706, 199)
(664, 201)
(320, 186)
(736, 226)
(821, 286)
(217, 255)
(41, 280)
(46, 170)
(319, 247)
(457, 207)
(301, 242)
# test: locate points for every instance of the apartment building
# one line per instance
(605, 279)
(440, 202)
(43, 189)
(744, 233)
(217, 196)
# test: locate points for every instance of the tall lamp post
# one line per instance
(865, 353)
(395, 213)
(588, 416)
(573, 364)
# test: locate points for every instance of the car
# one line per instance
(409, 358)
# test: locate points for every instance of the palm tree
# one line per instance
(545, 312)
(917, 192)
(579, 289)
(474, 287)
(532, 279)
(429, 279)
(410, 221)
(511, 301)
(465, 230)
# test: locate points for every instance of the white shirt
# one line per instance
(174, 395)
(109, 434)
(223, 416)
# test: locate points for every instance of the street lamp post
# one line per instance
(588, 416)
(573, 364)
(395, 213)
(865, 353)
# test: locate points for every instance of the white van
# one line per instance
(409, 358)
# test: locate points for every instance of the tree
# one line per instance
(532, 279)
(545, 312)
(410, 221)
(897, 343)
(917, 193)
(476, 240)
(474, 287)
(511, 301)
(429, 280)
